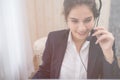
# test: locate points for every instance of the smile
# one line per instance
(82, 34)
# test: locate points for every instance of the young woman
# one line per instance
(69, 55)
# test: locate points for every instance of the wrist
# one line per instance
(109, 59)
(109, 56)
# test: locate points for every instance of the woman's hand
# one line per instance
(106, 40)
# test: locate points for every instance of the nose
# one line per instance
(81, 27)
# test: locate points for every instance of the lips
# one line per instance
(81, 34)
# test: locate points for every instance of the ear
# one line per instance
(97, 14)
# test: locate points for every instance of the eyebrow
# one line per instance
(84, 19)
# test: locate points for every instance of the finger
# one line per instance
(100, 32)
(101, 38)
(100, 28)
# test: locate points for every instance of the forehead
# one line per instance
(80, 12)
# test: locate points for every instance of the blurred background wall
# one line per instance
(114, 23)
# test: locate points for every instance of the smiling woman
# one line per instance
(68, 55)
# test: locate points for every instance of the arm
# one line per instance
(105, 39)
(111, 70)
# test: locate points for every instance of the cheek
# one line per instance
(90, 26)
(71, 26)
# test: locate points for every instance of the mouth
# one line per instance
(82, 34)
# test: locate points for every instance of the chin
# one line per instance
(81, 38)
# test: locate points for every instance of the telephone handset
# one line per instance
(90, 36)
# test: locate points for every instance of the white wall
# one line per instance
(32, 15)
(49, 16)
(105, 12)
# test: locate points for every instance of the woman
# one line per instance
(68, 55)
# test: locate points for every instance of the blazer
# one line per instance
(54, 52)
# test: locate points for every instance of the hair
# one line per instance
(69, 4)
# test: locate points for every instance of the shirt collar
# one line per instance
(69, 37)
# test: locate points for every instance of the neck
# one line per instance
(78, 43)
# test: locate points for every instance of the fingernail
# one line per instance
(93, 34)
(96, 42)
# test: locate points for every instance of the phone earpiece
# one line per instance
(97, 14)
(90, 36)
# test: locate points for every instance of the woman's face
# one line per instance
(80, 21)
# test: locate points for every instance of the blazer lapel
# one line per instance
(92, 58)
(60, 54)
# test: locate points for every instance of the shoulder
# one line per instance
(59, 33)
(58, 37)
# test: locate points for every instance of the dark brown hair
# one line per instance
(69, 4)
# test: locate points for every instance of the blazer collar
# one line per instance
(93, 50)
(60, 54)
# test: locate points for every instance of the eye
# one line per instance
(87, 20)
(75, 21)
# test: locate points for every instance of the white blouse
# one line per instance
(74, 65)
